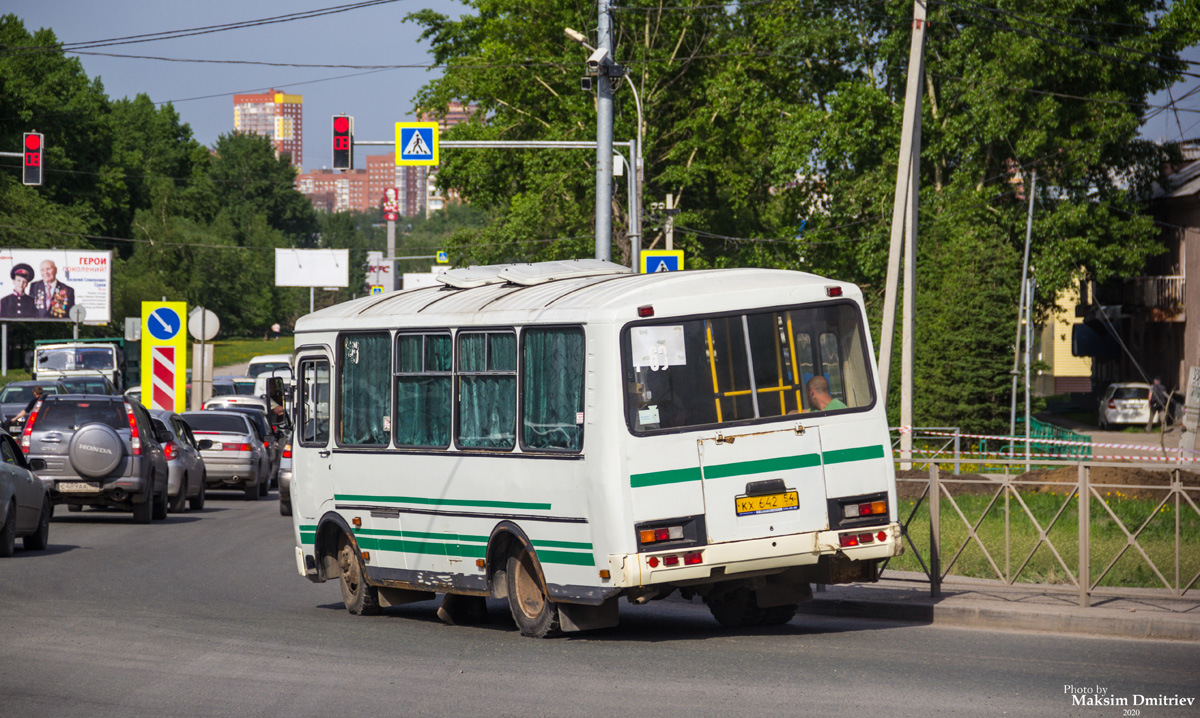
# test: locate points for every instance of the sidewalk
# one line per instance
(902, 596)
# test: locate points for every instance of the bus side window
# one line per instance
(365, 412)
(487, 390)
(552, 388)
(423, 383)
(314, 402)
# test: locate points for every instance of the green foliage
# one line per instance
(777, 128)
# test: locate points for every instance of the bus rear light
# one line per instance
(665, 533)
(882, 536)
(652, 562)
(693, 558)
(833, 291)
(670, 560)
(646, 311)
(848, 540)
(874, 508)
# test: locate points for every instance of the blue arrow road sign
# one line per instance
(164, 323)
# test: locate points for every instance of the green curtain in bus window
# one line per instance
(422, 398)
(502, 352)
(552, 389)
(487, 411)
(365, 381)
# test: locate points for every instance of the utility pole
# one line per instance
(904, 233)
(604, 135)
(1021, 315)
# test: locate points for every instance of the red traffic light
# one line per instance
(343, 142)
(31, 161)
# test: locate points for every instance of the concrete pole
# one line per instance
(670, 221)
(1012, 414)
(910, 152)
(604, 134)
(635, 206)
(910, 290)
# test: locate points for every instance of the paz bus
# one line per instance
(563, 435)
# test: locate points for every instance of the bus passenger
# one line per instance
(818, 394)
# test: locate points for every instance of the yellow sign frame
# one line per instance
(648, 254)
(400, 127)
(151, 340)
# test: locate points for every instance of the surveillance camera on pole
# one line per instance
(598, 58)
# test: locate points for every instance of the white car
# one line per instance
(1125, 403)
(267, 363)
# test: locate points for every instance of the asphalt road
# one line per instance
(205, 615)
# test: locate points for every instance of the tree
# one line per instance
(777, 124)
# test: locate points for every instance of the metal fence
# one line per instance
(1171, 555)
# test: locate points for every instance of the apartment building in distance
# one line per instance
(277, 115)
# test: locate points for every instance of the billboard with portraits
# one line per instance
(42, 285)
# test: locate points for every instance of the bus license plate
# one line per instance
(78, 486)
(767, 503)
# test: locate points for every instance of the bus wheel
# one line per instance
(736, 609)
(779, 615)
(360, 599)
(535, 615)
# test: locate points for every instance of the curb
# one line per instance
(1101, 623)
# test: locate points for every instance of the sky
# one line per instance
(370, 36)
(203, 93)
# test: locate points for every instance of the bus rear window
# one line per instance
(740, 368)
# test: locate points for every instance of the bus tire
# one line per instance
(736, 609)
(779, 615)
(360, 598)
(535, 614)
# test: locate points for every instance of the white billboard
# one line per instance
(312, 267)
(42, 285)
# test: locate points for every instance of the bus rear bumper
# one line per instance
(718, 562)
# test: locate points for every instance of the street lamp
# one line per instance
(634, 212)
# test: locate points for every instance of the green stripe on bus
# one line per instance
(564, 544)
(762, 466)
(442, 502)
(861, 453)
(758, 466)
(451, 549)
(657, 478)
(308, 535)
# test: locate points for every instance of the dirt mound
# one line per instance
(1133, 482)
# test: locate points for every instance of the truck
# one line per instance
(59, 359)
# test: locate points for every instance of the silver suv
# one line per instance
(99, 451)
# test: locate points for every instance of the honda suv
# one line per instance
(99, 451)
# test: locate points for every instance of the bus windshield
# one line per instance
(740, 368)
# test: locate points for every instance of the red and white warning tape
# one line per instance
(1175, 454)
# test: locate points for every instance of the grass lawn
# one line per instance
(1107, 539)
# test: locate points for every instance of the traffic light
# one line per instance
(343, 142)
(32, 162)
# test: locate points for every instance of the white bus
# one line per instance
(565, 434)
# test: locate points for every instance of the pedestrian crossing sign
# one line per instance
(661, 260)
(376, 289)
(416, 143)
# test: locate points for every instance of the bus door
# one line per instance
(312, 461)
(764, 483)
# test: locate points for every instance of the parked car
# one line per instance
(15, 396)
(185, 464)
(236, 459)
(268, 363)
(1125, 403)
(89, 385)
(99, 451)
(25, 506)
(285, 477)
